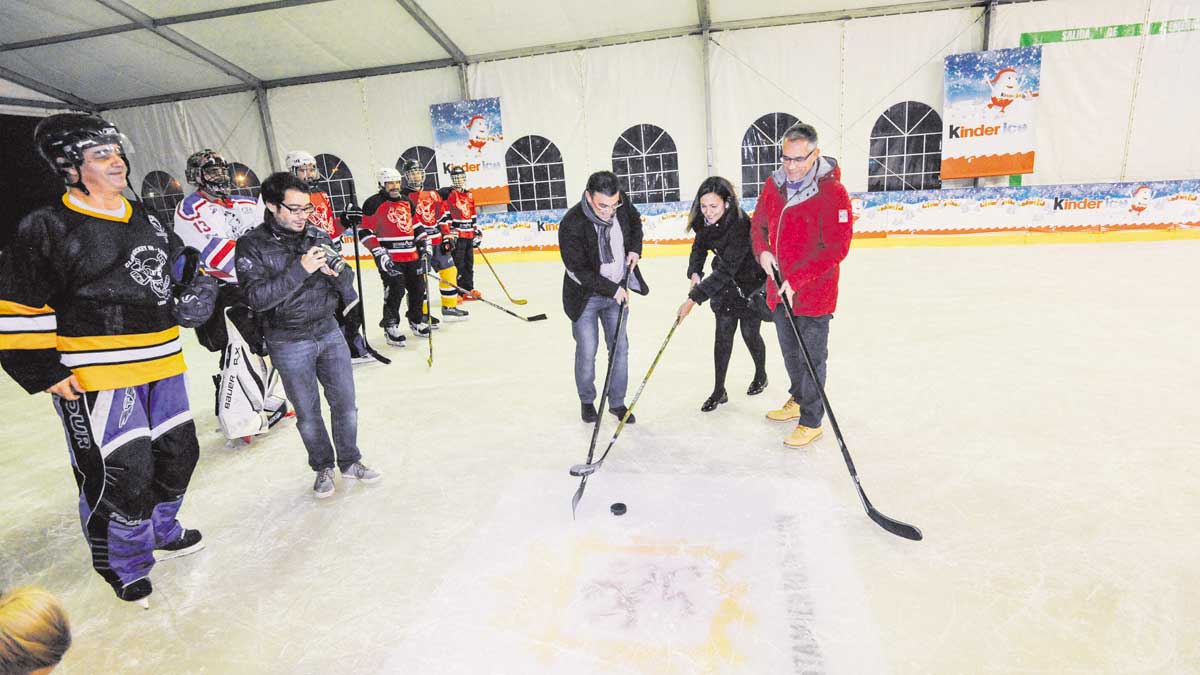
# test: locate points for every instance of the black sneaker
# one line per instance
(588, 412)
(188, 543)
(620, 412)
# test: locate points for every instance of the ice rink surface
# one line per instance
(1031, 408)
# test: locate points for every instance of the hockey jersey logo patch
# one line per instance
(147, 266)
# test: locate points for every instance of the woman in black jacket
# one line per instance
(724, 228)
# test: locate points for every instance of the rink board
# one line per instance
(702, 575)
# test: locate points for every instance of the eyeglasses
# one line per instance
(796, 160)
(607, 208)
(307, 209)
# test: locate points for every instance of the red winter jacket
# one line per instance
(809, 237)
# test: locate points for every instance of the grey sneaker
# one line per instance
(359, 471)
(323, 487)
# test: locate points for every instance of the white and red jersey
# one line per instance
(429, 215)
(212, 226)
(460, 207)
(323, 216)
(390, 224)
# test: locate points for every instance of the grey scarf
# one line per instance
(602, 231)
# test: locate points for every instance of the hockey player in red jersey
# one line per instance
(389, 232)
(93, 290)
(433, 219)
(460, 206)
(350, 319)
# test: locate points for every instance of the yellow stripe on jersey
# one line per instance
(112, 342)
(25, 327)
(117, 375)
(9, 308)
(126, 214)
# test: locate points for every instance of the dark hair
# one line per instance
(274, 187)
(800, 132)
(604, 182)
(720, 187)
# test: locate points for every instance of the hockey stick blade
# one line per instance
(584, 469)
(377, 356)
(578, 496)
(892, 525)
(537, 317)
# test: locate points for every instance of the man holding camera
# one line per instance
(291, 274)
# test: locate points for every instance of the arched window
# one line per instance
(536, 179)
(245, 182)
(760, 150)
(162, 194)
(336, 181)
(644, 159)
(906, 149)
(428, 159)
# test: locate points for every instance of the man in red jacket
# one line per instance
(802, 227)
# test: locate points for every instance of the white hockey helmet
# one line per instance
(387, 175)
(304, 166)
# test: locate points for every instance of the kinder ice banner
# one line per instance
(990, 111)
(469, 134)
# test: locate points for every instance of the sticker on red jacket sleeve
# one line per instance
(843, 216)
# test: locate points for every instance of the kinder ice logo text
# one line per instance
(1064, 204)
(959, 131)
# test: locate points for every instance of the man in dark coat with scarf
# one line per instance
(600, 240)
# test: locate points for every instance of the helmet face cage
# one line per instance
(209, 171)
(458, 177)
(415, 177)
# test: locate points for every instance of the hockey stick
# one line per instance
(515, 301)
(588, 469)
(890, 524)
(429, 308)
(623, 311)
(358, 276)
(536, 317)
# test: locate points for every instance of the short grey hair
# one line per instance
(800, 132)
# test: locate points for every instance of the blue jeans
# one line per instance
(301, 365)
(600, 311)
(815, 332)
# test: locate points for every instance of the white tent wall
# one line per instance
(1101, 117)
(163, 135)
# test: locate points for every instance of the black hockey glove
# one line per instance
(447, 246)
(195, 301)
(333, 258)
(352, 215)
(478, 239)
(384, 261)
(185, 264)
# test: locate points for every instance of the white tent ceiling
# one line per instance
(105, 54)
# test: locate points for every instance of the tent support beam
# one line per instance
(268, 128)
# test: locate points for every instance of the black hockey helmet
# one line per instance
(208, 170)
(61, 140)
(458, 177)
(414, 174)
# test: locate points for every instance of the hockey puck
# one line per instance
(618, 509)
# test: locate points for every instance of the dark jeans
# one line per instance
(411, 280)
(301, 365)
(727, 326)
(586, 330)
(464, 260)
(815, 332)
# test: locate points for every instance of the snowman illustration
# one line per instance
(478, 134)
(1005, 87)
(1140, 200)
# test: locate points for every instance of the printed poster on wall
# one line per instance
(469, 134)
(990, 121)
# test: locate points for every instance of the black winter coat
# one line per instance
(294, 304)
(735, 272)
(580, 250)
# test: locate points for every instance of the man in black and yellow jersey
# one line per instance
(93, 291)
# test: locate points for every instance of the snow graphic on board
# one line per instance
(990, 112)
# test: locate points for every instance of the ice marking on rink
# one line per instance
(705, 574)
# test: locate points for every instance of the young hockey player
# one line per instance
(93, 291)
(460, 205)
(431, 217)
(249, 394)
(388, 231)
